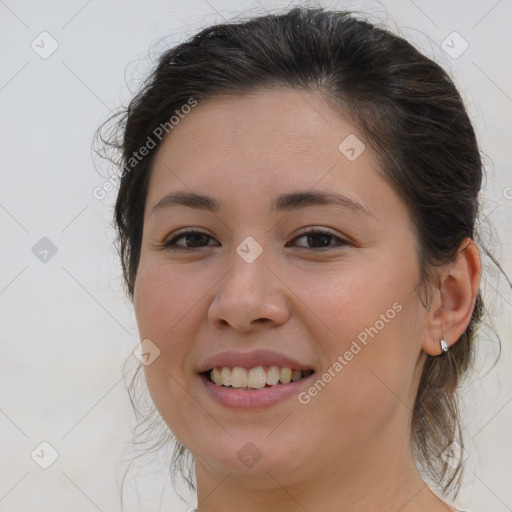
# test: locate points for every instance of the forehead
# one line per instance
(271, 132)
(263, 119)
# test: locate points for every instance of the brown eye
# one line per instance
(191, 240)
(320, 239)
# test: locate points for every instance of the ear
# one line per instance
(454, 299)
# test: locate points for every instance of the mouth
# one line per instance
(253, 379)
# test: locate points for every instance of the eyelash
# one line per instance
(171, 244)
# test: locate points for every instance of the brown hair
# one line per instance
(410, 113)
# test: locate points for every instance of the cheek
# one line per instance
(374, 325)
(163, 298)
(345, 301)
(378, 360)
(167, 308)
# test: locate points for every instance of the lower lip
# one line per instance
(255, 399)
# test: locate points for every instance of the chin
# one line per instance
(254, 461)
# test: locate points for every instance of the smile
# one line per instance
(254, 378)
(248, 388)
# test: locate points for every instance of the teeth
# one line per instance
(238, 377)
(285, 376)
(255, 378)
(226, 377)
(217, 376)
(296, 375)
(273, 375)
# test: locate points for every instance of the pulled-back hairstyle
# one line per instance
(409, 112)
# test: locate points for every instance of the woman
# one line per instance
(296, 220)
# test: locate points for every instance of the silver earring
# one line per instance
(444, 346)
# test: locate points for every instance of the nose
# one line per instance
(250, 297)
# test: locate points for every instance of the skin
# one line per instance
(348, 448)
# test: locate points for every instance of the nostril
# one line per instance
(261, 320)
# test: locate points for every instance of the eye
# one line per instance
(314, 239)
(319, 239)
(191, 240)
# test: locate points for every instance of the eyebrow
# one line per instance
(285, 202)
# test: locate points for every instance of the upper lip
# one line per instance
(251, 360)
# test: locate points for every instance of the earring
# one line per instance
(444, 346)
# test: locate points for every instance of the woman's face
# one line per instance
(251, 289)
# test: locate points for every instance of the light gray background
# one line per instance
(66, 328)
